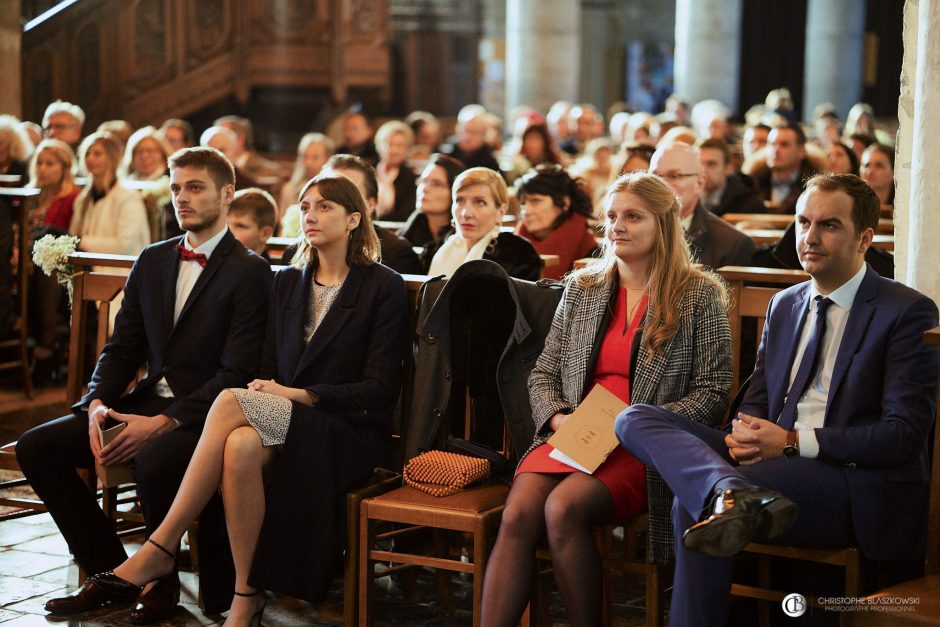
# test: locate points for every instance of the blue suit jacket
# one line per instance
(881, 406)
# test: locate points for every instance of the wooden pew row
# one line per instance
(277, 245)
(782, 221)
(770, 236)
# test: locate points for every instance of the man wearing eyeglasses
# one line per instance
(713, 241)
(63, 121)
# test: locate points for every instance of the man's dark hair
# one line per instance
(257, 203)
(716, 143)
(796, 128)
(220, 168)
(866, 208)
(352, 162)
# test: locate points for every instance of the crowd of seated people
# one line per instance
(618, 201)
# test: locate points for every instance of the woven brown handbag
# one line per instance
(440, 473)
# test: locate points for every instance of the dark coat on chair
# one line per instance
(353, 363)
(524, 313)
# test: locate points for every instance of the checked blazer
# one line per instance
(690, 375)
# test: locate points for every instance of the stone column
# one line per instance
(11, 35)
(917, 221)
(492, 57)
(543, 43)
(833, 69)
(708, 50)
(600, 53)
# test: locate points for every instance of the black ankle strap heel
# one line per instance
(162, 548)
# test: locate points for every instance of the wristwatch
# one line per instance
(792, 448)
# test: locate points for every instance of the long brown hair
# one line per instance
(670, 266)
(364, 248)
(64, 155)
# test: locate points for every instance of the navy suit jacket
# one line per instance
(881, 405)
(215, 343)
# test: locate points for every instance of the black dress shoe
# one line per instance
(739, 517)
(98, 591)
(159, 602)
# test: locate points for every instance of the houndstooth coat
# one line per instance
(691, 375)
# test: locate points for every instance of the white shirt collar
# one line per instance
(844, 295)
(206, 247)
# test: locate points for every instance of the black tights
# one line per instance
(567, 508)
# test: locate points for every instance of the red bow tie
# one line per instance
(188, 255)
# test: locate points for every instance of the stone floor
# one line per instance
(35, 565)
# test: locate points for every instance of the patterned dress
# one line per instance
(270, 414)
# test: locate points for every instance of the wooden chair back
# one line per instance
(751, 289)
(92, 294)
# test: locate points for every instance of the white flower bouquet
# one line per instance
(51, 254)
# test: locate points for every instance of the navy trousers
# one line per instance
(692, 459)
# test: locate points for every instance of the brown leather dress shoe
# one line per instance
(739, 517)
(159, 602)
(98, 591)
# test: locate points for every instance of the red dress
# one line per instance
(621, 473)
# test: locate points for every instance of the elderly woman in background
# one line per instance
(480, 199)
(50, 171)
(431, 219)
(393, 140)
(108, 217)
(877, 170)
(313, 151)
(842, 159)
(555, 212)
(145, 168)
(645, 299)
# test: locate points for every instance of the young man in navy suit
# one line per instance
(829, 447)
(194, 313)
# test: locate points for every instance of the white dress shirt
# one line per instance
(811, 408)
(189, 272)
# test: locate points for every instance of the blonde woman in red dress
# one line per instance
(647, 325)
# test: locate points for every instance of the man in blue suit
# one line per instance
(193, 314)
(829, 448)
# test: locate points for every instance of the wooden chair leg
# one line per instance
(763, 577)
(654, 596)
(366, 540)
(442, 579)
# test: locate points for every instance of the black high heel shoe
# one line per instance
(161, 600)
(255, 620)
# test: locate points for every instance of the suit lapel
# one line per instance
(288, 339)
(786, 344)
(171, 265)
(859, 317)
(335, 319)
(215, 262)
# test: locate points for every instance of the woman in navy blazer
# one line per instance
(316, 420)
